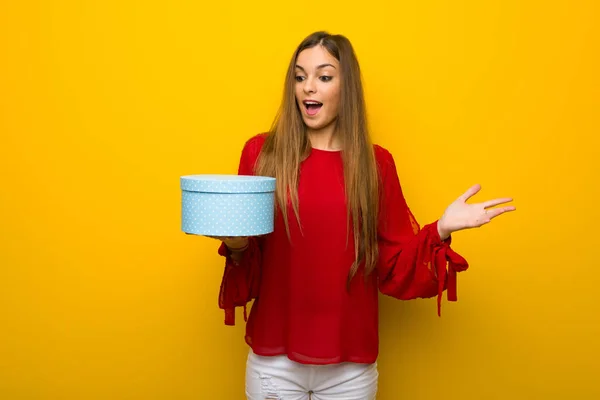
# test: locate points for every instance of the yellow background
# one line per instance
(103, 105)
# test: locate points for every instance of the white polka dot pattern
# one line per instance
(227, 205)
(228, 183)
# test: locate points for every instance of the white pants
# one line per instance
(279, 378)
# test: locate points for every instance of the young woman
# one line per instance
(343, 233)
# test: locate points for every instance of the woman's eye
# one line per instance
(325, 78)
(299, 78)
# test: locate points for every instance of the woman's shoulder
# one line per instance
(383, 157)
(254, 144)
(256, 140)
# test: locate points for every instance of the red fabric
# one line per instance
(301, 305)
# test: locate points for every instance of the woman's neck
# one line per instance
(324, 139)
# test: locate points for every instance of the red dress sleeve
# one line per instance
(240, 282)
(413, 262)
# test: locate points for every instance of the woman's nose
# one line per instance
(309, 86)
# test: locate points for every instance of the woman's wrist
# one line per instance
(444, 234)
(238, 248)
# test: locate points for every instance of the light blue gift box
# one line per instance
(227, 205)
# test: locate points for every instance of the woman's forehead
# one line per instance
(315, 57)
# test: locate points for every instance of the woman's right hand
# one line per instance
(233, 243)
(237, 246)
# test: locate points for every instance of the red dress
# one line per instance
(302, 308)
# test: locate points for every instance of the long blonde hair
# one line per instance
(287, 146)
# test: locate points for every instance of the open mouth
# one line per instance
(312, 107)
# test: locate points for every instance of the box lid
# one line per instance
(227, 183)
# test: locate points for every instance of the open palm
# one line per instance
(460, 215)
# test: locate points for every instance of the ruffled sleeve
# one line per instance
(413, 262)
(241, 280)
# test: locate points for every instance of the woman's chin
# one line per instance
(316, 125)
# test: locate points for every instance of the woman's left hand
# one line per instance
(460, 215)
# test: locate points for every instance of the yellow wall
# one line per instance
(103, 105)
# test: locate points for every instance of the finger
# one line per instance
(493, 213)
(496, 202)
(470, 192)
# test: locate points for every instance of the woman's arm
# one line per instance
(241, 276)
(414, 262)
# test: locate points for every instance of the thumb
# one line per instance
(473, 190)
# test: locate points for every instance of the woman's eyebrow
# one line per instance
(318, 67)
